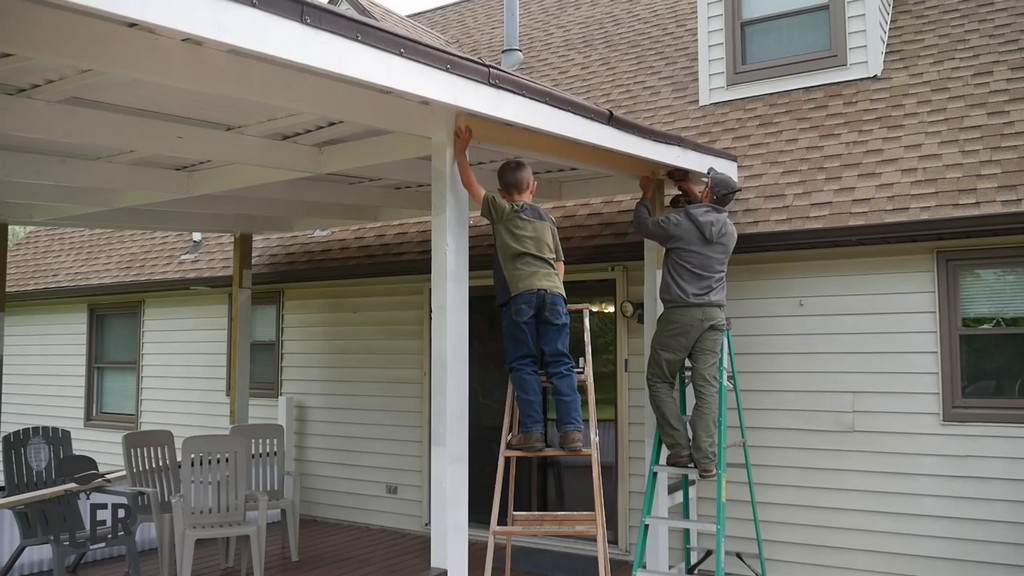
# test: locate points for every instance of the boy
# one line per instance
(528, 272)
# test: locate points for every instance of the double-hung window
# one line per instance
(981, 317)
(114, 345)
(773, 38)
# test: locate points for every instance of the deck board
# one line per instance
(325, 549)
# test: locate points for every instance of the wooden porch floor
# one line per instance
(325, 549)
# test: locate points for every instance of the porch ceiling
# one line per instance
(213, 115)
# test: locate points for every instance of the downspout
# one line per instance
(511, 55)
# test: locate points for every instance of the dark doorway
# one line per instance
(543, 484)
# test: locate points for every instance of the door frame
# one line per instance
(618, 274)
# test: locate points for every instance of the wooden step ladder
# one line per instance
(551, 523)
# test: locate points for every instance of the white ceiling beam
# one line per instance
(25, 167)
(282, 207)
(76, 196)
(63, 123)
(61, 89)
(535, 125)
(143, 219)
(336, 158)
(11, 62)
(327, 192)
(95, 44)
(259, 129)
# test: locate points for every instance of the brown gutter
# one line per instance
(371, 33)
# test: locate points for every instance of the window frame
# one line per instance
(739, 73)
(275, 297)
(954, 407)
(93, 417)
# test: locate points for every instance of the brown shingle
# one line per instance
(948, 103)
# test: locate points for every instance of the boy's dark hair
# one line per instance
(514, 176)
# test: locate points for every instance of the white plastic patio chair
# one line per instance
(151, 465)
(266, 444)
(215, 471)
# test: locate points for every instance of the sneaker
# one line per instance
(530, 442)
(679, 460)
(571, 440)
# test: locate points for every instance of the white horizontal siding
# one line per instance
(45, 358)
(860, 23)
(855, 471)
(184, 368)
(353, 359)
(184, 372)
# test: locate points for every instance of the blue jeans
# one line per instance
(535, 325)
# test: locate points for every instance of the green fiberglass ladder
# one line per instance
(661, 495)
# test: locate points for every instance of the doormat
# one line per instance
(538, 562)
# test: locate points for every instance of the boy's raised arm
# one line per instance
(463, 135)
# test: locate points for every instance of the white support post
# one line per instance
(241, 328)
(657, 538)
(286, 418)
(449, 363)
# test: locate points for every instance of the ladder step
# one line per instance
(553, 519)
(545, 530)
(684, 524)
(581, 380)
(548, 453)
(675, 471)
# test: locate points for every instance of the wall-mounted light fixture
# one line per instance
(630, 309)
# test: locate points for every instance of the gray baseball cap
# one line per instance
(722, 185)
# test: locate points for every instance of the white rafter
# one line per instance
(61, 89)
(95, 44)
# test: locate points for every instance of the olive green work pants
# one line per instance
(695, 333)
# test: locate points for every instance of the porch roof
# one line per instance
(222, 116)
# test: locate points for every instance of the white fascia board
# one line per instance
(273, 37)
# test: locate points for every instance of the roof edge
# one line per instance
(375, 35)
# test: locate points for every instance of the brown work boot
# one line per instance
(571, 440)
(707, 473)
(530, 442)
(679, 460)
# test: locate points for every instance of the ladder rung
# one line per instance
(684, 524)
(553, 519)
(581, 380)
(676, 471)
(700, 549)
(547, 453)
(546, 530)
(646, 572)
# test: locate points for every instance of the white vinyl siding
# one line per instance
(856, 474)
(184, 347)
(45, 358)
(864, 19)
(354, 362)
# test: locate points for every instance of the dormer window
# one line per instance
(772, 38)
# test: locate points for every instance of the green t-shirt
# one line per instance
(527, 246)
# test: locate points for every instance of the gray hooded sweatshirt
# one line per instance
(698, 241)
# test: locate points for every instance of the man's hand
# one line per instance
(646, 186)
(463, 136)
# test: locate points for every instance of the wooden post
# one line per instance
(449, 360)
(657, 540)
(241, 327)
(5, 229)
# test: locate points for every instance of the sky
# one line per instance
(410, 6)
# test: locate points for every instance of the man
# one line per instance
(528, 274)
(698, 239)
